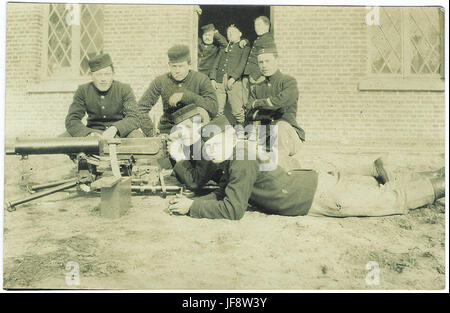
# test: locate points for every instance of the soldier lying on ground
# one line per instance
(110, 105)
(297, 192)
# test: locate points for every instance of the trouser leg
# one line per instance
(137, 133)
(344, 197)
(236, 98)
(221, 97)
(285, 140)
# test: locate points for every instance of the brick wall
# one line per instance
(136, 36)
(325, 48)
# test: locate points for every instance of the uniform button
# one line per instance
(284, 191)
(103, 107)
(103, 97)
(104, 116)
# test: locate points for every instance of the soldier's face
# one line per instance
(103, 78)
(261, 27)
(268, 64)
(233, 34)
(179, 70)
(208, 37)
(220, 147)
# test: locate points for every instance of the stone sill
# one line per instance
(401, 84)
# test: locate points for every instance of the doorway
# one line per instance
(242, 16)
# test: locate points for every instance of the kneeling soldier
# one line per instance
(178, 88)
(110, 105)
(278, 92)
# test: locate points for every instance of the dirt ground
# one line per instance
(149, 249)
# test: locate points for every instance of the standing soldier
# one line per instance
(264, 39)
(252, 74)
(208, 48)
(177, 88)
(227, 72)
(110, 105)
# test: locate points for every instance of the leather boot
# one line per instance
(438, 187)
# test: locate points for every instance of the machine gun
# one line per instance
(107, 165)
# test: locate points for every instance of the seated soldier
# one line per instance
(298, 192)
(279, 93)
(178, 88)
(109, 104)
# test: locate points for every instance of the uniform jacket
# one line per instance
(196, 88)
(278, 91)
(195, 174)
(243, 183)
(231, 61)
(207, 53)
(263, 41)
(114, 107)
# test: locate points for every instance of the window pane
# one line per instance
(59, 40)
(91, 34)
(424, 39)
(386, 42)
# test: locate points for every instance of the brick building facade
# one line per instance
(346, 95)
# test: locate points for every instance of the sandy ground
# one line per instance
(149, 249)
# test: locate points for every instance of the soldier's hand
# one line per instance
(198, 10)
(242, 43)
(109, 133)
(94, 134)
(180, 205)
(230, 83)
(214, 84)
(175, 98)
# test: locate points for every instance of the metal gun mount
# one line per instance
(117, 167)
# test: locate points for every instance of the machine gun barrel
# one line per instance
(64, 145)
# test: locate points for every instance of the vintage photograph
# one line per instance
(225, 147)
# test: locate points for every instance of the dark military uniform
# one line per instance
(195, 174)
(243, 183)
(207, 53)
(252, 68)
(278, 91)
(231, 61)
(114, 107)
(196, 88)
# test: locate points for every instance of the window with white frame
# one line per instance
(406, 43)
(74, 34)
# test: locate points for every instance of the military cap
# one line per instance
(270, 48)
(99, 61)
(221, 121)
(265, 115)
(189, 111)
(179, 53)
(208, 27)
